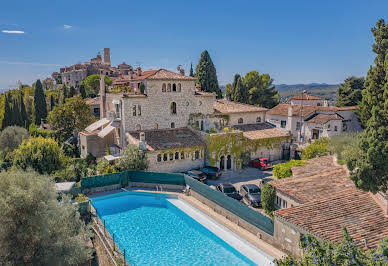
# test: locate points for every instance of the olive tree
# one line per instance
(132, 159)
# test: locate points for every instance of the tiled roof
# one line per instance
(93, 101)
(166, 74)
(324, 118)
(205, 93)
(282, 109)
(306, 97)
(260, 131)
(228, 107)
(162, 139)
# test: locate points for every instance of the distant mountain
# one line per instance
(301, 87)
(323, 90)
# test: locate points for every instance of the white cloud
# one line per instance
(12, 31)
(66, 27)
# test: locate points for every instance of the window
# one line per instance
(164, 87)
(258, 119)
(134, 110)
(335, 128)
(196, 155)
(165, 157)
(174, 87)
(182, 155)
(138, 127)
(139, 110)
(297, 125)
(117, 108)
(159, 158)
(328, 126)
(169, 87)
(284, 204)
(179, 89)
(172, 125)
(201, 124)
(197, 124)
(318, 104)
(240, 120)
(283, 123)
(156, 126)
(173, 108)
(177, 156)
(171, 155)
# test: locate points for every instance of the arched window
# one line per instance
(156, 126)
(177, 156)
(139, 110)
(169, 87)
(164, 87)
(240, 120)
(182, 155)
(172, 125)
(179, 89)
(258, 119)
(165, 157)
(171, 155)
(159, 158)
(201, 124)
(196, 155)
(138, 127)
(173, 108)
(174, 87)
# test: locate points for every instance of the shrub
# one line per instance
(11, 137)
(81, 198)
(320, 147)
(104, 167)
(268, 194)
(132, 159)
(283, 170)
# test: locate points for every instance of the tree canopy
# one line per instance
(74, 114)
(11, 137)
(36, 229)
(350, 91)
(92, 84)
(132, 159)
(39, 103)
(206, 74)
(369, 166)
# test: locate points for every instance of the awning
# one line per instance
(97, 125)
(108, 129)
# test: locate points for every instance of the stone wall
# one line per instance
(91, 143)
(286, 237)
(248, 118)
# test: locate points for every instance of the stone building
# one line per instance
(178, 125)
(311, 118)
(318, 200)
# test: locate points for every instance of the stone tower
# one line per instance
(107, 56)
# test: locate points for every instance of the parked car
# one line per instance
(229, 190)
(261, 163)
(251, 195)
(198, 175)
(211, 172)
(263, 181)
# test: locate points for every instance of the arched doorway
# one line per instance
(229, 162)
(222, 163)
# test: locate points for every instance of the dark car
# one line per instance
(229, 190)
(251, 195)
(198, 175)
(211, 172)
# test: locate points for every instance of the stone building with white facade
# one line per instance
(179, 126)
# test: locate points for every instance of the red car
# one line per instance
(262, 163)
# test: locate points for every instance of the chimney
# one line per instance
(102, 96)
(107, 56)
(138, 71)
(142, 142)
(325, 103)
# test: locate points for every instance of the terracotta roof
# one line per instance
(260, 131)
(323, 118)
(282, 109)
(228, 107)
(205, 93)
(354, 209)
(306, 97)
(166, 74)
(93, 101)
(162, 139)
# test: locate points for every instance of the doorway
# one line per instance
(222, 163)
(229, 162)
(315, 133)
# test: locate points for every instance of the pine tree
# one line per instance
(72, 92)
(191, 70)
(206, 74)
(82, 91)
(369, 165)
(39, 103)
(350, 91)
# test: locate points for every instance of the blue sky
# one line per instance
(294, 41)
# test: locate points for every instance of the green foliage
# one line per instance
(191, 70)
(268, 194)
(104, 167)
(344, 146)
(206, 74)
(42, 155)
(92, 84)
(345, 253)
(132, 159)
(14, 110)
(72, 92)
(36, 229)
(369, 169)
(35, 131)
(318, 148)
(40, 105)
(283, 170)
(82, 91)
(350, 91)
(73, 170)
(12, 137)
(73, 115)
(81, 198)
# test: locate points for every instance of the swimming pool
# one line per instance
(154, 229)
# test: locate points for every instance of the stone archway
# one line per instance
(222, 163)
(229, 162)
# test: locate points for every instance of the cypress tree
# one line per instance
(191, 70)
(52, 102)
(206, 74)
(23, 112)
(39, 103)
(369, 165)
(7, 112)
(72, 92)
(82, 91)
(240, 92)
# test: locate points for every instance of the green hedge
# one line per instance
(283, 170)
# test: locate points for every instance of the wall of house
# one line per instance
(308, 102)
(94, 144)
(248, 118)
(351, 120)
(324, 130)
(286, 237)
(273, 154)
(284, 201)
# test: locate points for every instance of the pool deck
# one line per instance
(251, 238)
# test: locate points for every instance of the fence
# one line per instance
(251, 216)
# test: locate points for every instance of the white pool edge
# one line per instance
(240, 244)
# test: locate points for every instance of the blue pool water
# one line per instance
(155, 232)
